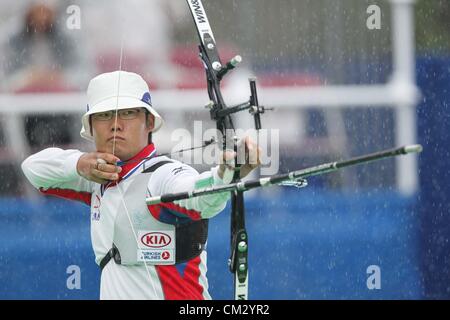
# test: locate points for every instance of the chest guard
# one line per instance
(158, 243)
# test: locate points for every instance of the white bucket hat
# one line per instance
(117, 90)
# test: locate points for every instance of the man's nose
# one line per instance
(116, 124)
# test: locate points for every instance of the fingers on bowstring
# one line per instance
(108, 157)
(109, 176)
(108, 168)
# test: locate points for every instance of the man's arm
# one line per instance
(54, 171)
(179, 177)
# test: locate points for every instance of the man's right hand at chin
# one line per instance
(98, 167)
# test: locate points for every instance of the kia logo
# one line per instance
(156, 239)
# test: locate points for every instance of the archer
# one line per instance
(115, 182)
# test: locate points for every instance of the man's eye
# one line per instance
(102, 116)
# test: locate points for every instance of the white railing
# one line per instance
(400, 93)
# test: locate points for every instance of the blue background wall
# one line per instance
(434, 206)
(311, 245)
(308, 243)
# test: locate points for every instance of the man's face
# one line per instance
(130, 129)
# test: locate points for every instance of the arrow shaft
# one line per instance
(289, 176)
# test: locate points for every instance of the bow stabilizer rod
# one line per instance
(296, 176)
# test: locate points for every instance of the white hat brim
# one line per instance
(117, 103)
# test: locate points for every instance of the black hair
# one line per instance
(150, 133)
